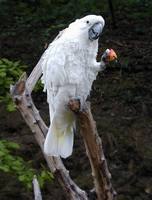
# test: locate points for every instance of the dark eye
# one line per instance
(87, 22)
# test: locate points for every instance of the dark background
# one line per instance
(120, 97)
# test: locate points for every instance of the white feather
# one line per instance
(69, 68)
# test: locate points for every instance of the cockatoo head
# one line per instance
(89, 27)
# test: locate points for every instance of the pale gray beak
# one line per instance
(95, 31)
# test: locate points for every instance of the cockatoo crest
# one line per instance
(79, 28)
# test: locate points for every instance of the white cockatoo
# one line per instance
(69, 68)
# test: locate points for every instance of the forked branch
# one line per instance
(21, 94)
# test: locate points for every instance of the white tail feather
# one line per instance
(59, 143)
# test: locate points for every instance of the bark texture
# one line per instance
(21, 94)
(94, 151)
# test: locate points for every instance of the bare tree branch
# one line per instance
(21, 94)
(34, 76)
(95, 153)
(36, 188)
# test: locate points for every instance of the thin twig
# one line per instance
(36, 188)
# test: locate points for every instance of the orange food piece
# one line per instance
(112, 55)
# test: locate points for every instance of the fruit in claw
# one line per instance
(111, 55)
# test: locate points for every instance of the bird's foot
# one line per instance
(75, 104)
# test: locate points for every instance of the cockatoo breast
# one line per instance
(79, 65)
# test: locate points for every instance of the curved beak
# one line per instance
(95, 31)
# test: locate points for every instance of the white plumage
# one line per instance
(69, 68)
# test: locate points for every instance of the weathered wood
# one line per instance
(21, 94)
(34, 76)
(94, 150)
(36, 189)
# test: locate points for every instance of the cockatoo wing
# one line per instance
(59, 140)
(59, 35)
(53, 63)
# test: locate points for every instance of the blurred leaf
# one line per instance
(15, 165)
(9, 73)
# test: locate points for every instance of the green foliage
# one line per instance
(15, 165)
(9, 73)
